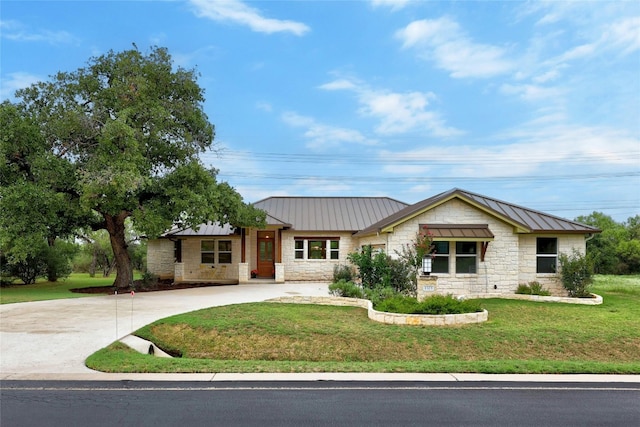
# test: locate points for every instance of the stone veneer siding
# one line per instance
(313, 269)
(510, 258)
(194, 270)
(500, 269)
(160, 257)
(528, 246)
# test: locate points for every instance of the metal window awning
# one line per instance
(459, 232)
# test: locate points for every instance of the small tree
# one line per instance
(576, 274)
(413, 253)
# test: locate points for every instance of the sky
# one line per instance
(532, 103)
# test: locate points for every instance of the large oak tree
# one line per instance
(127, 130)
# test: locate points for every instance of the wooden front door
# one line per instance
(266, 252)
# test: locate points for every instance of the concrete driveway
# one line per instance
(55, 337)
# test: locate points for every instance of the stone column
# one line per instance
(427, 286)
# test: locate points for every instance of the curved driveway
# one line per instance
(55, 337)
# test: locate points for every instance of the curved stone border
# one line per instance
(390, 318)
(596, 300)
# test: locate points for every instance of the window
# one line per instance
(466, 255)
(546, 254)
(335, 249)
(224, 251)
(299, 250)
(316, 248)
(440, 263)
(177, 250)
(207, 251)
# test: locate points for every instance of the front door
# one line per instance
(266, 266)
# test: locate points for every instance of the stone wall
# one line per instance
(194, 270)
(313, 269)
(160, 257)
(391, 318)
(527, 242)
(498, 272)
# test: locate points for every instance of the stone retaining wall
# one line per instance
(390, 318)
(596, 300)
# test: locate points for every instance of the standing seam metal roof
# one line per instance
(528, 219)
(330, 213)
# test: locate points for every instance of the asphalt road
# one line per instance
(137, 403)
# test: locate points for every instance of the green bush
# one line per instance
(379, 269)
(343, 272)
(576, 274)
(380, 293)
(343, 288)
(533, 288)
(436, 304)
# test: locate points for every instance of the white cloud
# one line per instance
(396, 112)
(393, 4)
(16, 31)
(15, 81)
(445, 43)
(240, 13)
(530, 92)
(321, 136)
(623, 35)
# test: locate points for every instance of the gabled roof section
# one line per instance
(329, 213)
(523, 219)
(208, 229)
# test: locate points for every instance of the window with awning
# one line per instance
(464, 238)
(459, 232)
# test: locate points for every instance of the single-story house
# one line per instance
(482, 244)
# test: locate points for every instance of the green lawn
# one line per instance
(43, 290)
(520, 337)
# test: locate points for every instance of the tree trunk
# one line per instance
(124, 270)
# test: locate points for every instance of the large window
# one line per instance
(440, 262)
(316, 248)
(546, 254)
(209, 249)
(466, 257)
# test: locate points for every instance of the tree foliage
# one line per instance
(121, 139)
(616, 250)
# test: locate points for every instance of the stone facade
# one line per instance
(313, 269)
(510, 257)
(160, 258)
(194, 270)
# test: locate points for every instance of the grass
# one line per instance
(43, 290)
(520, 337)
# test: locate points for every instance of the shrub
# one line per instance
(435, 304)
(343, 288)
(576, 274)
(379, 269)
(533, 288)
(380, 293)
(343, 272)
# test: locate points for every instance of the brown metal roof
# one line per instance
(527, 220)
(329, 213)
(459, 231)
(208, 229)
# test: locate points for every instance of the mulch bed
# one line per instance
(139, 286)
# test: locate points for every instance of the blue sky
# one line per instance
(534, 103)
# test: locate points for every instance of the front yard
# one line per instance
(519, 337)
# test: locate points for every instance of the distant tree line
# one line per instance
(617, 249)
